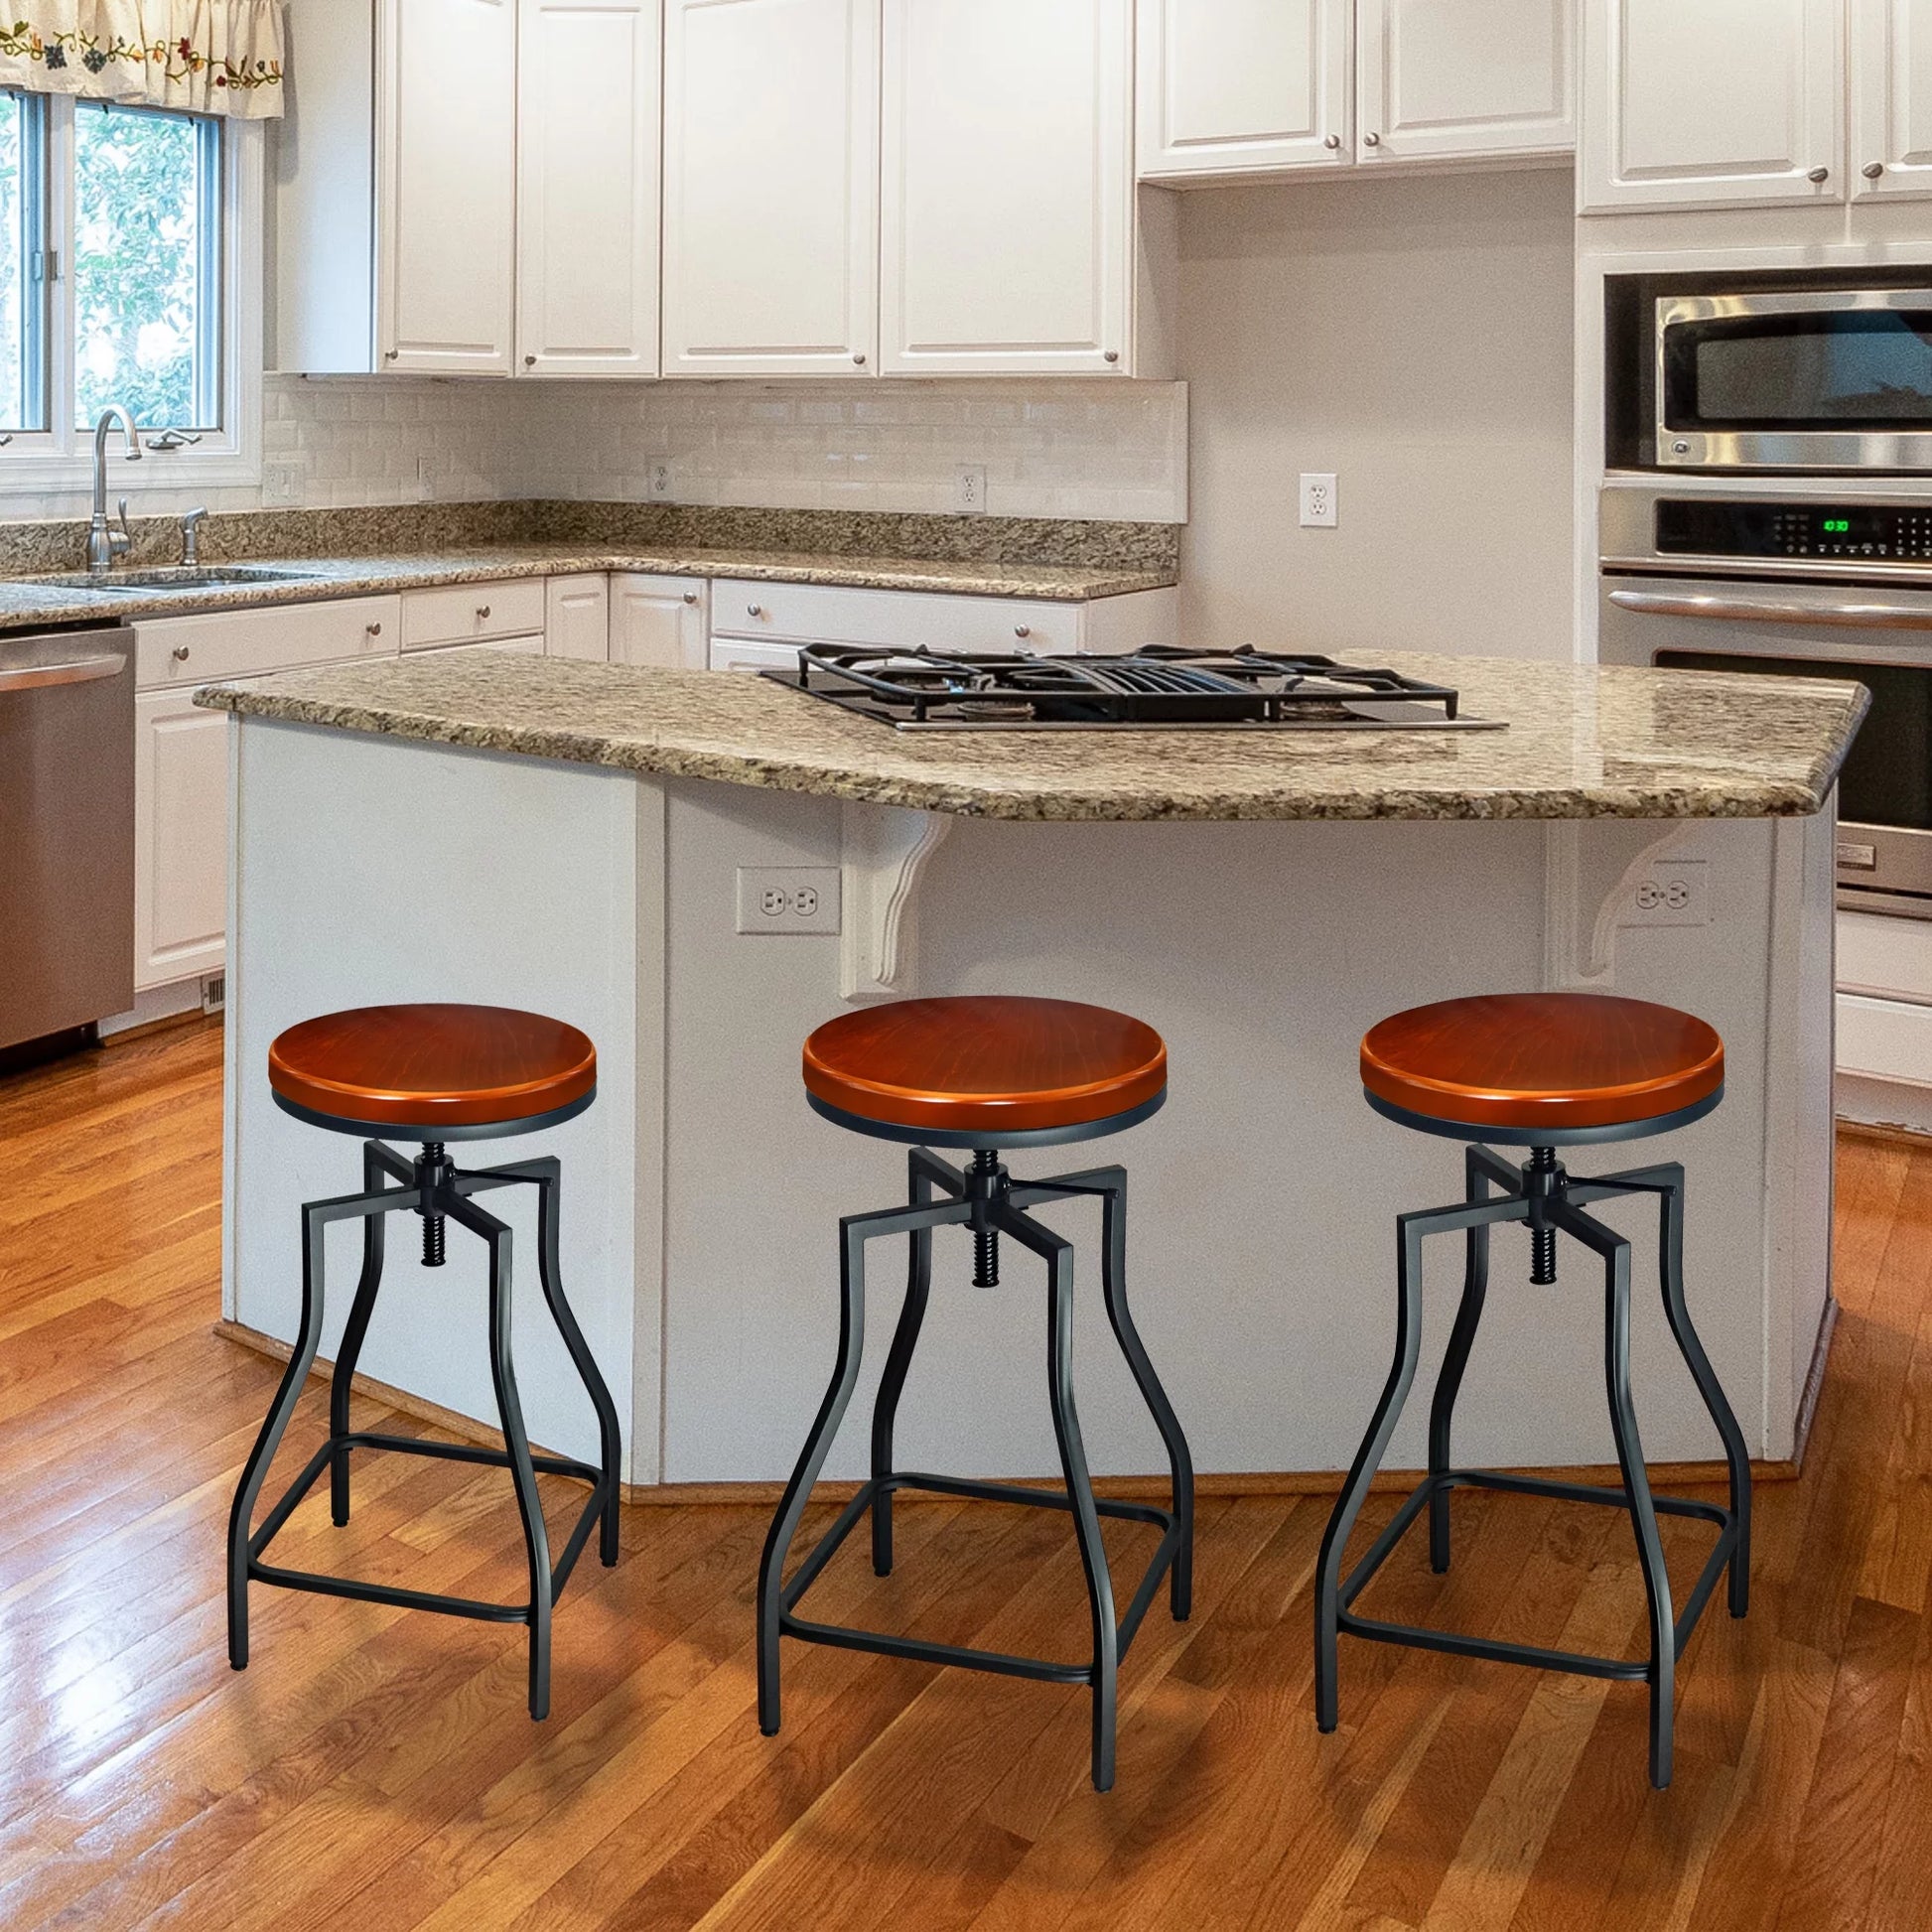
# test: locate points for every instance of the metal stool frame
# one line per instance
(1542, 1195)
(433, 1188)
(991, 1204)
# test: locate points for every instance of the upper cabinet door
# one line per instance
(771, 187)
(445, 185)
(1699, 104)
(586, 136)
(1892, 97)
(1008, 197)
(1235, 86)
(1464, 78)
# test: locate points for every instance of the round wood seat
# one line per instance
(433, 1072)
(988, 1071)
(1543, 1068)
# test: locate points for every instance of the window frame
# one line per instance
(61, 457)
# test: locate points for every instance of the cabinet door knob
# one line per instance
(858, 356)
(530, 362)
(1819, 175)
(755, 609)
(483, 612)
(179, 653)
(1371, 140)
(1112, 355)
(391, 354)
(1331, 142)
(690, 597)
(1872, 170)
(373, 629)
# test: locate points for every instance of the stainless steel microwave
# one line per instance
(1751, 375)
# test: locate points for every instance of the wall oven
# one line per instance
(1787, 586)
(1775, 371)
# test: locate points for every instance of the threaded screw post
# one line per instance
(985, 1240)
(430, 1169)
(1542, 1240)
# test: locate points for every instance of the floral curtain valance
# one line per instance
(208, 57)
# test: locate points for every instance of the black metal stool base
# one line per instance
(989, 1203)
(1542, 1195)
(434, 1188)
(841, 1637)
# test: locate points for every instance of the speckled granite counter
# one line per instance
(1580, 744)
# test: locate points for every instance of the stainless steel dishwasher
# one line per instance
(67, 831)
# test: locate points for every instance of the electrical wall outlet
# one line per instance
(969, 489)
(1674, 892)
(278, 482)
(788, 899)
(1321, 507)
(657, 480)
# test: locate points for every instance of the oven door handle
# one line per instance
(1752, 609)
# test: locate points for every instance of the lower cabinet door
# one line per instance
(659, 620)
(180, 832)
(577, 617)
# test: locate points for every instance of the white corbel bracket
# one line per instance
(883, 850)
(1592, 869)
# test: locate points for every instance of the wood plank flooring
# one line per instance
(375, 1769)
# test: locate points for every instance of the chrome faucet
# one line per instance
(105, 544)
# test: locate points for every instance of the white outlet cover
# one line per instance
(658, 480)
(789, 900)
(278, 482)
(1671, 891)
(969, 489)
(1320, 505)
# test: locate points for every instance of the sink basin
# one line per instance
(170, 576)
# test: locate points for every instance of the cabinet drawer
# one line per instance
(276, 637)
(462, 614)
(818, 613)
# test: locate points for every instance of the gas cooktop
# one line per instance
(1161, 688)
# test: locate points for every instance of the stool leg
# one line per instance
(314, 1224)
(354, 1335)
(548, 1175)
(1059, 1256)
(1615, 1252)
(1112, 1184)
(1368, 1459)
(831, 1412)
(1469, 1317)
(1737, 1456)
(899, 1361)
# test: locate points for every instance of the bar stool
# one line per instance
(1541, 1070)
(984, 1073)
(431, 1074)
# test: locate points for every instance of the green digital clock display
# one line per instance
(1837, 527)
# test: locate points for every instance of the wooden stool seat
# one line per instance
(1528, 1064)
(437, 1072)
(995, 1067)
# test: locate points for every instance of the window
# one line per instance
(147, 266)
(129, 271)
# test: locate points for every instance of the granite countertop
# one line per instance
(23, 603)
(1582, 743)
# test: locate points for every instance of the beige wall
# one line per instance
(1416, 337)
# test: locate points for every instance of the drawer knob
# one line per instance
(374, 629)
(1023, 631)
(690, 597)
(755, 609)
(180, 653)
(483, 612)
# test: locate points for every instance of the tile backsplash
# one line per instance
(1083, 450)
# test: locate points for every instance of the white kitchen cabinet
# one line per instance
(577, 617)
(1892, 99)
(771, 187)
(1240, 86)
(466, 613)
(660, 620)
(586, 199)
(1448, 79)
(180, 833)
(446, 184)
(1691, 103)
(1006, 199)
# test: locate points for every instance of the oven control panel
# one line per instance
(1891, 532)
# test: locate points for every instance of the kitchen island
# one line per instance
(567, 837)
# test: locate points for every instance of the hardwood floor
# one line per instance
(375, 1769)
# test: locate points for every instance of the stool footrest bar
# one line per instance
(844, 1637)
(1579, 1663)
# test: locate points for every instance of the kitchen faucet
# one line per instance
(104, 545)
